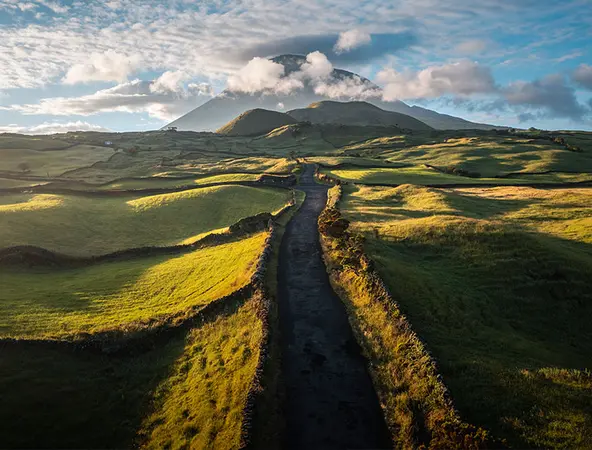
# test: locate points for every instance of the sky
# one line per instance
(128, 65)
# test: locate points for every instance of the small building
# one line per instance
(108, 143)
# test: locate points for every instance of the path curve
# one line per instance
(330, 400)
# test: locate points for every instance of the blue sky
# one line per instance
(137, 65)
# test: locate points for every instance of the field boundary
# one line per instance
(432, 420)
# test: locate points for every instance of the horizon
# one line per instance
(137, 66)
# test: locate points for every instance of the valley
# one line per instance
(308, 282)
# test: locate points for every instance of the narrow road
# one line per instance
(330, 400)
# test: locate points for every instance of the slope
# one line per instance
(355, 113)
(256, 122)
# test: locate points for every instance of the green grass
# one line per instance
(500, 293)
(415, 175)
(39, 303)
(57, 398)
(200, 404)
(188, 390)
(494, 155)
(149, 183)
(85, 226)
(52, 163)
(7, 183)
(20, 141)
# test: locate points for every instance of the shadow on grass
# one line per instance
(57, 397)
(495, 309)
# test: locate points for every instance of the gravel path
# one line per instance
(330, 400)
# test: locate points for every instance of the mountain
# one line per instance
(256, 122)
(227, 105)
(355, 113)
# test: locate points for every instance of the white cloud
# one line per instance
(164, 98)
(52, 127)
(461, 78)
(583, 76)
(348, 89)
(170, 82)
(350, 40)
(258, 75)
(471, 46)
(107, 66)
(316, 73)
(316, 67)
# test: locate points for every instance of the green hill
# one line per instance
(256, 122)
(355, 113)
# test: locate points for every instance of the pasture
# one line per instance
(496, 283)
(84, 226)
(126, 294)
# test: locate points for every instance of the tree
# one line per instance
(24, 167)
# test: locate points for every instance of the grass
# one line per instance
(200, 404)
(499, 291)
(148, 183)
(51, 163)
(422, 175)
(41, 303)
(83, 226)
(494, 155)
(7, 183)
(20, 141)
(56, 398)
(189, 390)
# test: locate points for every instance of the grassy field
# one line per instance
(51, 163)
(122, 294)
(190, 390)
(20, 141)
(79, 225)
(149, 183)
(200, 404)
(496, 282)
(9, 183)
(490, 156)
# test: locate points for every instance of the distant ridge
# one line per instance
(355, 113)
(224, 107)
(256, 122)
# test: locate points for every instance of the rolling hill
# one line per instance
(355, 113)
(227, 105)
(256, 122)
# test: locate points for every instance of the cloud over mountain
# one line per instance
(459, 78)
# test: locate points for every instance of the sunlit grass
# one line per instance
(200, 405)
(81, 225)
(496, 282)
(122, 294)
(422, 175)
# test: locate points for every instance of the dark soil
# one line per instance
(330, 400)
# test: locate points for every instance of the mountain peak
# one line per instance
(228, 105)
